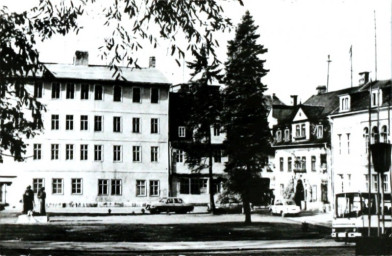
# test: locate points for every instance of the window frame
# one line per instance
(84, 95)
(117, 93)
(69, 148)
(98, 151)
(157, 95)
(116, 187)
(98, 93)
(154, 189)
(117, 124)
(55, 187)
(139, 94)
(96, 122)
(136, 123)
(37, 151)
(38, 88)
(54, 151)
(84, 123)
(103, 187)
(136, 151)
(76, 186)
(154, 126)
(117, 153)
(181, 132)
(55, 122)
(56, 90)
(37, 184)
(141, 189)
(154, 154)
(69, 91)
(83, 152)
(69, 122)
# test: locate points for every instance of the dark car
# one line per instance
(227, 205)
(169, 204)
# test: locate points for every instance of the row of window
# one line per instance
(299, 163)
(98, 123)
(98, 92)
(98, 152)
(300, 132)
(196, 186)
(179, 156)
(375, 100)
(106, 187)
(182, 131)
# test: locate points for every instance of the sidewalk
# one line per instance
(172, 246)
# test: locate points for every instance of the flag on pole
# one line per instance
(351, 51)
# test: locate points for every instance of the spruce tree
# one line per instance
(245, 112)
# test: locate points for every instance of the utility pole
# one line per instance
(328, 61)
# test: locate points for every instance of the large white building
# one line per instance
(353, 122)
(104, 141)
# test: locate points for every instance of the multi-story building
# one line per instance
(193, 186)
(363, 117)
(303, 150)
(104, 140)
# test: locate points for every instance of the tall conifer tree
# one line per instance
(245, 111)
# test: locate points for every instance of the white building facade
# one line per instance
(105, 142)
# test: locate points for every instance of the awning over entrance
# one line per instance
(7, 179)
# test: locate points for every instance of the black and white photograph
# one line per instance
(195, 127)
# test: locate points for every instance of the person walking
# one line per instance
(28, 200)
(41, 197)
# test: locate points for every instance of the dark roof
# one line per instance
(273, 100)
(283, 113)
(103, 73)
(329, 101)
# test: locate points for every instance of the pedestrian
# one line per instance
(42, 196)
(28, 200)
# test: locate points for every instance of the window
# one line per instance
(179, 154)
(76, 186)
(154, 95)
(116, 188)
(141, 188)
(38, 90)
(281, 164)
(70, 91)
(116, 124)
(304, 163)
(376, 99)
(117, 93)
(297, 131)
(136, 153)
(98, 123)
(69, 152)
(348, 143)
(217, 156)
(154, 154)
(314, 193)
(375, 138)
(154, 187)
(384, 134)
(37, 184)
(181, 131)
(340, 143)
(37, 151)
(84, 91)
(287, 135)
(57, 186)
(344, 103)
(116, 153)
(55, 122)
(136, 125)
(83, 123)
(303, 131)
(374, 182)
(289, 164)
(217, 129)
(69, 122)
(184, 186)
(98, 92)
(83, 152)
(154, 125)
(54, 151)
(385, 182)
(278, 135)
(313, 163)
(103, 187)
(98, 152)
(366, 138)
(55, 91)
(319, 131)
(136, 95)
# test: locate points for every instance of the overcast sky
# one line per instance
(299, 35)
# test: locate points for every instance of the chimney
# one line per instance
(364, 77)
(321, 89)
(294, 97)
(151, 63)
(81, 58)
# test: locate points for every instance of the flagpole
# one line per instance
(375, 47)
(351, 60)
(328, 61)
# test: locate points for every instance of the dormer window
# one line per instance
(344, 103)
(278, 135)
(287, 134)
(319, 131)
(300, 131)
(376, 98)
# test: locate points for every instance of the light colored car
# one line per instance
(169, 204)
(227, 205)
(285, 207)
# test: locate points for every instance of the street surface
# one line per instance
(169, 234)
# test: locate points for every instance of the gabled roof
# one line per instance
(103, 73)
(284, 113)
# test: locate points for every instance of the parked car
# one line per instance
(285, 207)
(169, 204)
(227, 205)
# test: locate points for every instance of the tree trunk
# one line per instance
(246, 205)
